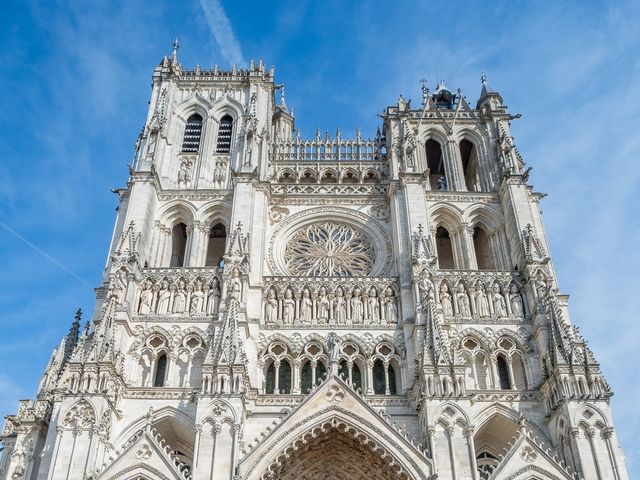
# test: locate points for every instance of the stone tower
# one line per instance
(275, 307)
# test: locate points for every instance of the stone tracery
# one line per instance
(329, 249)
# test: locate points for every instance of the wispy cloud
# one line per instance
(222, 31)
(45, 254)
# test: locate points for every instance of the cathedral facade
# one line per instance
(279, 307)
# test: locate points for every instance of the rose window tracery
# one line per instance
(329, 249)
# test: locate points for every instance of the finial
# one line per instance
(78, 315)
(283, 102)
(425, 90)
(175, 46)
(483, 78)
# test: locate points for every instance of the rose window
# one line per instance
(329, 249)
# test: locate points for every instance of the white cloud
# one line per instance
(222, 31)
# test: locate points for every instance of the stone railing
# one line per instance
(330, 302)
(463, 295)
(179, 291)
(326, 149)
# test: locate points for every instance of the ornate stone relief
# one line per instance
(329, 302)
(329, 230)
(329, 249)
(179, 292)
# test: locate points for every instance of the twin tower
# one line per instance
(280, 307)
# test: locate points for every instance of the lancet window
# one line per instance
(482, 249)
(225, 131)
(469, 157)
(178, 245)
(378, 373)
(216, 245)
(435, 163)
(192, 134)
(161, 371)
(444, 248)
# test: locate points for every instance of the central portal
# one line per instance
(334, 452)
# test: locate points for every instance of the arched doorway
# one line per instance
(335, 451)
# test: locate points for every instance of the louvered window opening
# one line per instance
(192, 134)
(224, 135)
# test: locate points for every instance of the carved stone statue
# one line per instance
(323, 306)
(463, 301)
(425, 289)
(164, 298)
(306, 308)
(482, 304)
(289, 308)
(184, 174)
(197, 298)
(442, 183)
(146, 299)
(180, 298)
(499, 307)
(516, 301)
(445, 300)
(271, 308)
(392, 307)
(340, 308)
(356, 306)
(213, 300)
(235, 285)
(374, 306)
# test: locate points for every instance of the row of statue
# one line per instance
(477, 301)
(337, 308)
(179, 298)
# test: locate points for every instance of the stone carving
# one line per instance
(324, 302)
(80, 416)
(462, 300)
(528, 454)
(144, 452)
(329, 249)
(178, 292)
(499, 307)
(220, 173)
(179, 297)
(235, 285)
(445, 300)
(334, 394)
(516, 301)
(271, 308)
(213, 300)
(277, 213)
(146, 299)
(483, 296)
(184, 173)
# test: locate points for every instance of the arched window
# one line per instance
(353, 375)
(270, 385)
(192, 134)
(469, 157)
(379, 386)
(161, 371)
(444, 248)
(503, 373)
(435, 163)
(284, 377)
(310, 377)
(392, 380)
(482, 249)
(224, 134)
(215, 249)
(178, 245)
(519, 375)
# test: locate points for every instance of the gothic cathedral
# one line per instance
(325, 308)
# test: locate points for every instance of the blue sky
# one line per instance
(75, 83)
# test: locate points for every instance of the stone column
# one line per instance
(468, 433)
